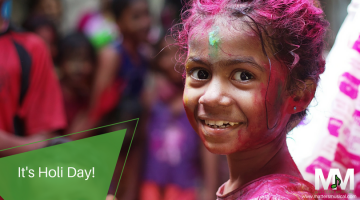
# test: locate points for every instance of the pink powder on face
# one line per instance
(239, 136)
(263, 90)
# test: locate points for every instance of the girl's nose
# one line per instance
(216, 95)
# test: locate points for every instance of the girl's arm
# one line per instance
(8, 140)
(106, 73)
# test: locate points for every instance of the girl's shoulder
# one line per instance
(271, 187)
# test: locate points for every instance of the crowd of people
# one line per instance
(107, 71)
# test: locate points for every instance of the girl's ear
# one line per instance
(302, 97)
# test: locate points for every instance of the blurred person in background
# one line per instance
(77, 62)
(31, 106)
(100, 26)
(47, 30)
(171, 12)
(174, 156)
(49, 9)
(121, 63)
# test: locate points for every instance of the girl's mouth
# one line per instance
(219, 128)
(219, 124)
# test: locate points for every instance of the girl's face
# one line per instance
(227, 76)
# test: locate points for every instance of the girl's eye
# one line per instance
(200, 74)
(243, 76)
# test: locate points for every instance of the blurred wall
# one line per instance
(19, 11)
(73, 10)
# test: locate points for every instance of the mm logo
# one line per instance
(336, 178)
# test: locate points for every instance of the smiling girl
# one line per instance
(252, 68)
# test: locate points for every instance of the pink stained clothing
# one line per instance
(271, 187)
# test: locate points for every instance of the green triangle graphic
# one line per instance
(78, 170)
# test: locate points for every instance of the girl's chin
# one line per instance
(221, 148)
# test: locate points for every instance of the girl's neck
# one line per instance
(272, 158)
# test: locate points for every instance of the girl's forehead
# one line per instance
(224, 41)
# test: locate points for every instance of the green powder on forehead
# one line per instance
(214, 41)
(214, 37)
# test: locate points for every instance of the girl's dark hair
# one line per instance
(294, 31)
(72, 42)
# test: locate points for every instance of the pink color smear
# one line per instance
(347, 159)
(321, 163)
(349, 85)
(356, 45)
(334, 126)
(274, 186)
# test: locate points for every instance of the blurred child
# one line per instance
(49, 9)
(122, 62)
(172, 159)
(46, 30)
(77, 62)
(30, 98)
(252, 68)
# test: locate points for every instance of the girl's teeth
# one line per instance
(219, 123)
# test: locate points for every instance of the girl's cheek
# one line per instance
(191, 118)
(189, 106)
(257, 119)
(185, 97)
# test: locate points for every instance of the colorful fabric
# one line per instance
(172, 149)
(100, 30)
(132, 75)
(42, 108)
(271, 187)
(152, 191)
(339, 147)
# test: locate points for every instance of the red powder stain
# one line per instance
(259, 97)
(239, 136)
(263, 90)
